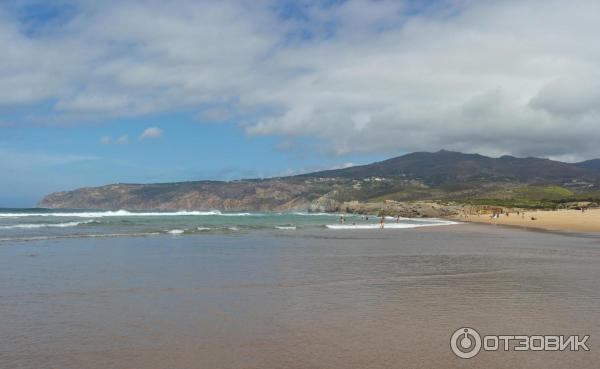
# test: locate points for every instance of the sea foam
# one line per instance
(118, 213)
(45, 225)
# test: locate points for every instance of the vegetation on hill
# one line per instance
(440, 176)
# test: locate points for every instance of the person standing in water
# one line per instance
(382, 221)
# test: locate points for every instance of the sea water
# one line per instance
(38, 224)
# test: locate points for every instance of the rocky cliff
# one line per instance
(267, 195)
(443, 175)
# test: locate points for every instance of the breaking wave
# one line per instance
(127, 213)
(46, 225)
(101, 214)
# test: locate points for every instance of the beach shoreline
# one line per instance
(548, 220)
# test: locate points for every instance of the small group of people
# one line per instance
(342, 219)
(496, 215)
(382, 220)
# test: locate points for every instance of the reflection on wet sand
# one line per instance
(306, 299)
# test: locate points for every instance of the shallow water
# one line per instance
(304, 298)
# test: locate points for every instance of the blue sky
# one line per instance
(54, 158)
(237, 89)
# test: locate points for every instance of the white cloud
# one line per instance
(105, 140)
(518, 77)
(151, 132)
(122, 140)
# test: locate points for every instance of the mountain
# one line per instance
(444, 175)
(444, 167)
(259, 195)
(593, 164)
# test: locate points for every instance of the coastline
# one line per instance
(562, 220)
(549, 220)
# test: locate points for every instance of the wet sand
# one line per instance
(318, 299)
(560, 220)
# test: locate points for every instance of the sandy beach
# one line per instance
(559, 220)
(305, 299)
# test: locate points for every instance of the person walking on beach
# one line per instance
(381, 220)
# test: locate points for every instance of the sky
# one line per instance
(98, 92)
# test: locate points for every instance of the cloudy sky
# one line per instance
(94, 92)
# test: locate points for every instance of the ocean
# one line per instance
(246, 294)
(39, 224)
